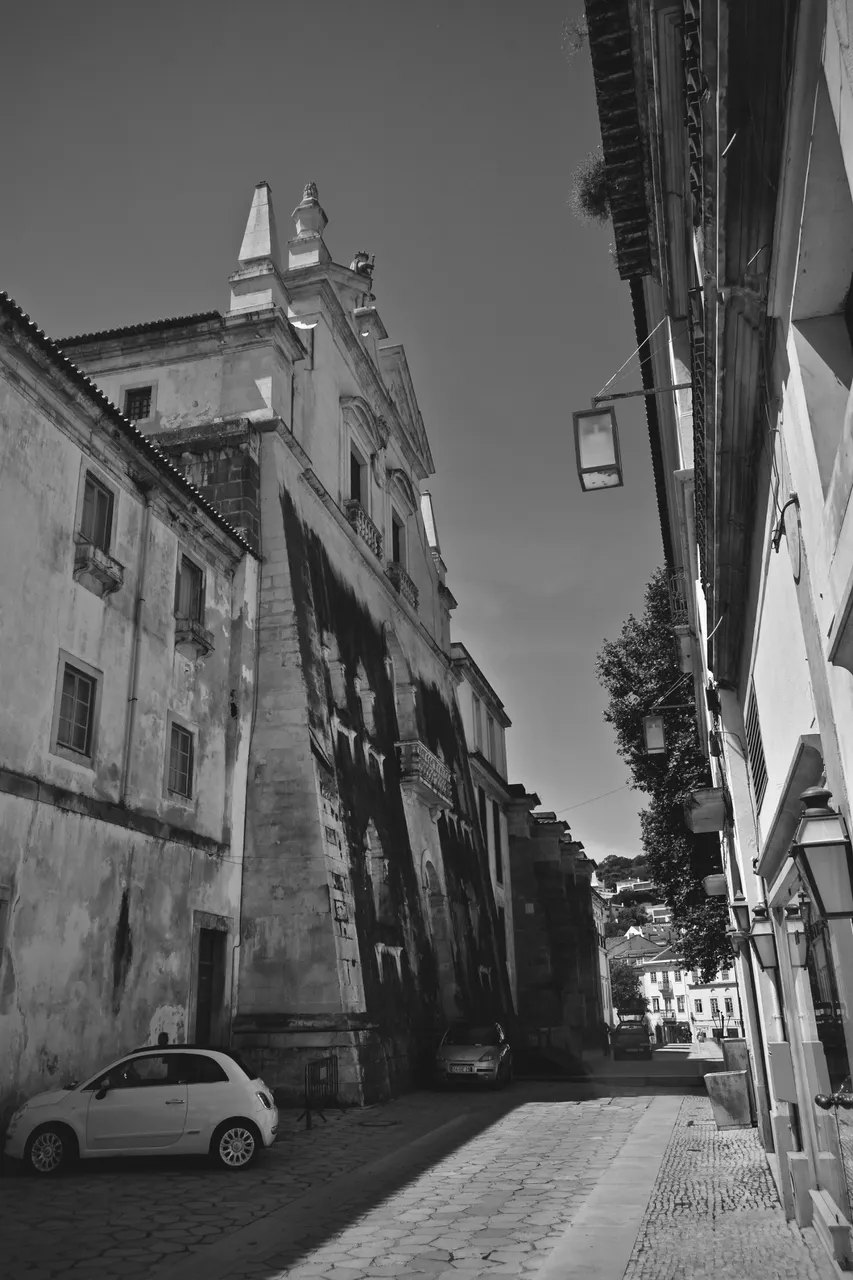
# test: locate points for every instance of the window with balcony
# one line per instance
(137, 403)
(96, 521)
(357, 470)
(189, 591)
(180, 773)
(398, 540)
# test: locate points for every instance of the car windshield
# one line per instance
(472, 1035)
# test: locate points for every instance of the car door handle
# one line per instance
(174, 1102)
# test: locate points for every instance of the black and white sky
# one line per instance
(442, 135)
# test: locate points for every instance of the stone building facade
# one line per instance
(368, 917)
(485, 722)
(126, 641)
(556, 940)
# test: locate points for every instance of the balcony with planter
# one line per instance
(192, 639)
(423, 775)
(95, 569)
(402, 583)
(364, 526)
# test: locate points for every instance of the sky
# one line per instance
(442, 135)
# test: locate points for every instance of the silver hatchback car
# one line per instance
(179, 1100)
(470, 1051)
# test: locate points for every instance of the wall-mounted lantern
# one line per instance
(597, 449)
(822, 852)
(654, 736)
(740, 910)
(762, 939)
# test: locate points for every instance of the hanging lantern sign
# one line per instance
(654, 736)
(597, 449)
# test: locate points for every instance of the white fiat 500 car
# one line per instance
(159, 1101)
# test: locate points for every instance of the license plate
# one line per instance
(454, 1067)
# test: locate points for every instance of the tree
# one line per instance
(626, 988)
(625, 918)
(590, 200)
(639, 670)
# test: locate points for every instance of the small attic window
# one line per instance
(137, 403)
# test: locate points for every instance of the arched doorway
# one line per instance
(439, 924)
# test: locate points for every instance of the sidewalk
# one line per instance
(712, 1213)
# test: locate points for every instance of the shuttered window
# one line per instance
(755, 748)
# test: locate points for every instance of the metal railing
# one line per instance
(402, 583)
(321, 1088)
(364, 526)
(677, 583)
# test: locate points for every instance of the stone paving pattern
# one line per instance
(495, 1207)
(715, 1213)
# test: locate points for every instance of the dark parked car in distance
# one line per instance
(631, 1036)
(470, 1051)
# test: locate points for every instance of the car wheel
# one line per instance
(50, 1149)
(235, 1144)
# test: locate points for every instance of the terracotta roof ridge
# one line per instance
(144, 326)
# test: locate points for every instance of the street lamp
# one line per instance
(654, 736)
(597, 449)
(740, 911)
(762, 939)
(823, 854)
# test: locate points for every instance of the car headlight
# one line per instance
(491, 1055)
(265, 1100)
(15, 1117)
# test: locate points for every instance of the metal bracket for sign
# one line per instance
(644, 391)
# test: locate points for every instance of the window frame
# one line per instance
(715, 1006)
(93, 478)
(85, 759)
(399, 553)
(697, 1005)
(128, 389)
(185, 557)
(498, 840)
(174, 721)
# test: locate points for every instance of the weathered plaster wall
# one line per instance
(99, 946)
(104, 887)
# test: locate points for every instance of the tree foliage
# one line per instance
(590, 200)
(575, 37)
(625, 918)
(638, 670)
(614, 868)
(626, 988)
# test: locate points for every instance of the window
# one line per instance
(76, 712)
(180, 761)
(490, 726)
(189, 591)
(398, 540)
(697, 1006)
(502, 933)
(481, 804)
(715, 1006)
(356, 478)
(655, 1005)
(680, 1002)
(496, 826)
(137, 403)
(729, 1005)
(478, 721)
(97, 517)
(724, 975)
(755, 747)
(653, 977)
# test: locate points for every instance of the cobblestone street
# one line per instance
(524, 1183)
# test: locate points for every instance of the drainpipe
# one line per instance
(133, 683)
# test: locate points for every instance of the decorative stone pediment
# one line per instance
(357, 411)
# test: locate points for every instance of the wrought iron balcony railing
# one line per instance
(402, 583)
(678, 598)
(364, 526)
(423, 774)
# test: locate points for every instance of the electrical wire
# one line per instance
(592, 799)
(633, 354)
